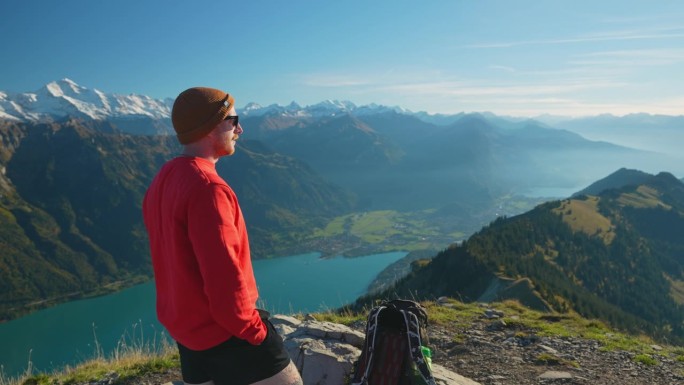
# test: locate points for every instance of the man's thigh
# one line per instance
(288, 376)
(237, 362)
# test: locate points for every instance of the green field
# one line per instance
(388, 230)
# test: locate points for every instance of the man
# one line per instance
(206, 291)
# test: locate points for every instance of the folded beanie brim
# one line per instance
(198, 110)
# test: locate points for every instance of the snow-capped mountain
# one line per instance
(66, 98)
(140, 114)
(322, 109)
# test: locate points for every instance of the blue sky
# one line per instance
(520, 58)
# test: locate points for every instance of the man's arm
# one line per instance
(219, 240)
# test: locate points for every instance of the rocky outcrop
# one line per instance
(496, 352)
(487, 349)
(325, 352)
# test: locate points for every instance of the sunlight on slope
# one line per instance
(643, 197)
(583, 215)
(676, 289)
(389, 230)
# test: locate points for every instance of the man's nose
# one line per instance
(238, 129)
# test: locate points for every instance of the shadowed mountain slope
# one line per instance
(71, 197)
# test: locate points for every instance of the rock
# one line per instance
(444, 301)
(322, 362)
(497, 325)
(444, 376)
(280, 319)
(325, 353)
(284, 329)
(555, 375)
(547, 349)
(496, 377)
(330, 331)
(493, 314)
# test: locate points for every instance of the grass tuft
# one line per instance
(344, 316)
(133, 357)
(646, 360)
(549, 359)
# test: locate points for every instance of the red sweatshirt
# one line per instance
(206, 291)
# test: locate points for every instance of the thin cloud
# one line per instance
(503, 68)
(611, 36)
(462, 89)
(636, 57)
(595, 83)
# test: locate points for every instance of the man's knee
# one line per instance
(288, 376)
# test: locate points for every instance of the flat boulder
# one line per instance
(325, 353)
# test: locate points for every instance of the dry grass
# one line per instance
(583, 216)
(643, 197)
(134, 356)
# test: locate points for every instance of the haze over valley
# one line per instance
(331, 177)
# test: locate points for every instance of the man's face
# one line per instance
(225, 135)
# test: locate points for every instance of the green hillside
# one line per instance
(70, 207)
(618, 256)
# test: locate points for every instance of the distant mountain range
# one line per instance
(392, 160)
(75, 162)
(66, 99)
(637, 130)
(615, 254)
(370, 147)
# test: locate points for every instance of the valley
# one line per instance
(352, 181)
(370, 232)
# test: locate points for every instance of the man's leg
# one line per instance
(288, 376)
(192, 368)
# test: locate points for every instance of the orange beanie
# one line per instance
(197, 111)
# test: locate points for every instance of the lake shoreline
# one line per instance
(341, 246)
(73, 330)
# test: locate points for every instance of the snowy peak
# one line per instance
(326, 108)
(65, 98)
(64, 87)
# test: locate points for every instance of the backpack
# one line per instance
(396, 332)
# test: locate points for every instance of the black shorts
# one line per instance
(235, 361)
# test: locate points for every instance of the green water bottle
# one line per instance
(427, 353)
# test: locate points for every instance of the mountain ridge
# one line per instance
(615, 256)
(62, 98)
(65, 98)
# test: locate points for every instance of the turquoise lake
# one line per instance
(66, 334)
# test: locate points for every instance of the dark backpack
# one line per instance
(392, 353)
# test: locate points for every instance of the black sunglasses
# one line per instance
(234, 118)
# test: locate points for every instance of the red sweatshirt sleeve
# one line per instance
(219, 240)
